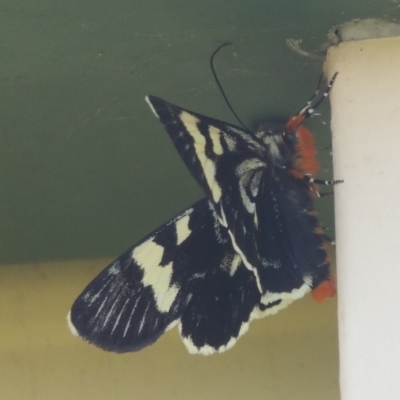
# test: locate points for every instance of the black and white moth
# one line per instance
(248, 249)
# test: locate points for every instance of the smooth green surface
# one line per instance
(85, 168)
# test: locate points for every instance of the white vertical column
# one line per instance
(365, 102)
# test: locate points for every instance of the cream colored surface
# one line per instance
(366, 141)
(292, 355)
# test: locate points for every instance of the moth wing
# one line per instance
(290, 242)
(186, 272)
(268, 213)
(228, 163)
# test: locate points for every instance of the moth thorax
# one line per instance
(276, 149)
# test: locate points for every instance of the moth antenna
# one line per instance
(328, 183)
(314, 95)
(309, 109)
(220, 86)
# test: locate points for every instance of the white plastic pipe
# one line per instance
(365, 102)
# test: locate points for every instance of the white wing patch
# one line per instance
(207, 165)
(231, 264)
(208, 350)
(215, 135)
(285, 300)
(230, 143)
(246, 261)
(148, 256)
(71, 326)
(153, 110)
(182, 229)
(235, 264)
(295, 294)
(249, 173)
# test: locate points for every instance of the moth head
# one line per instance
(280, 145)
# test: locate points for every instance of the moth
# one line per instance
(247, 250)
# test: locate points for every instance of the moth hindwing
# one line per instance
(252, 246)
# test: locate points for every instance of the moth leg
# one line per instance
(309, 109)
(312, 181)
(322, 182)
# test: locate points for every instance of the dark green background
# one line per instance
(85, 168)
